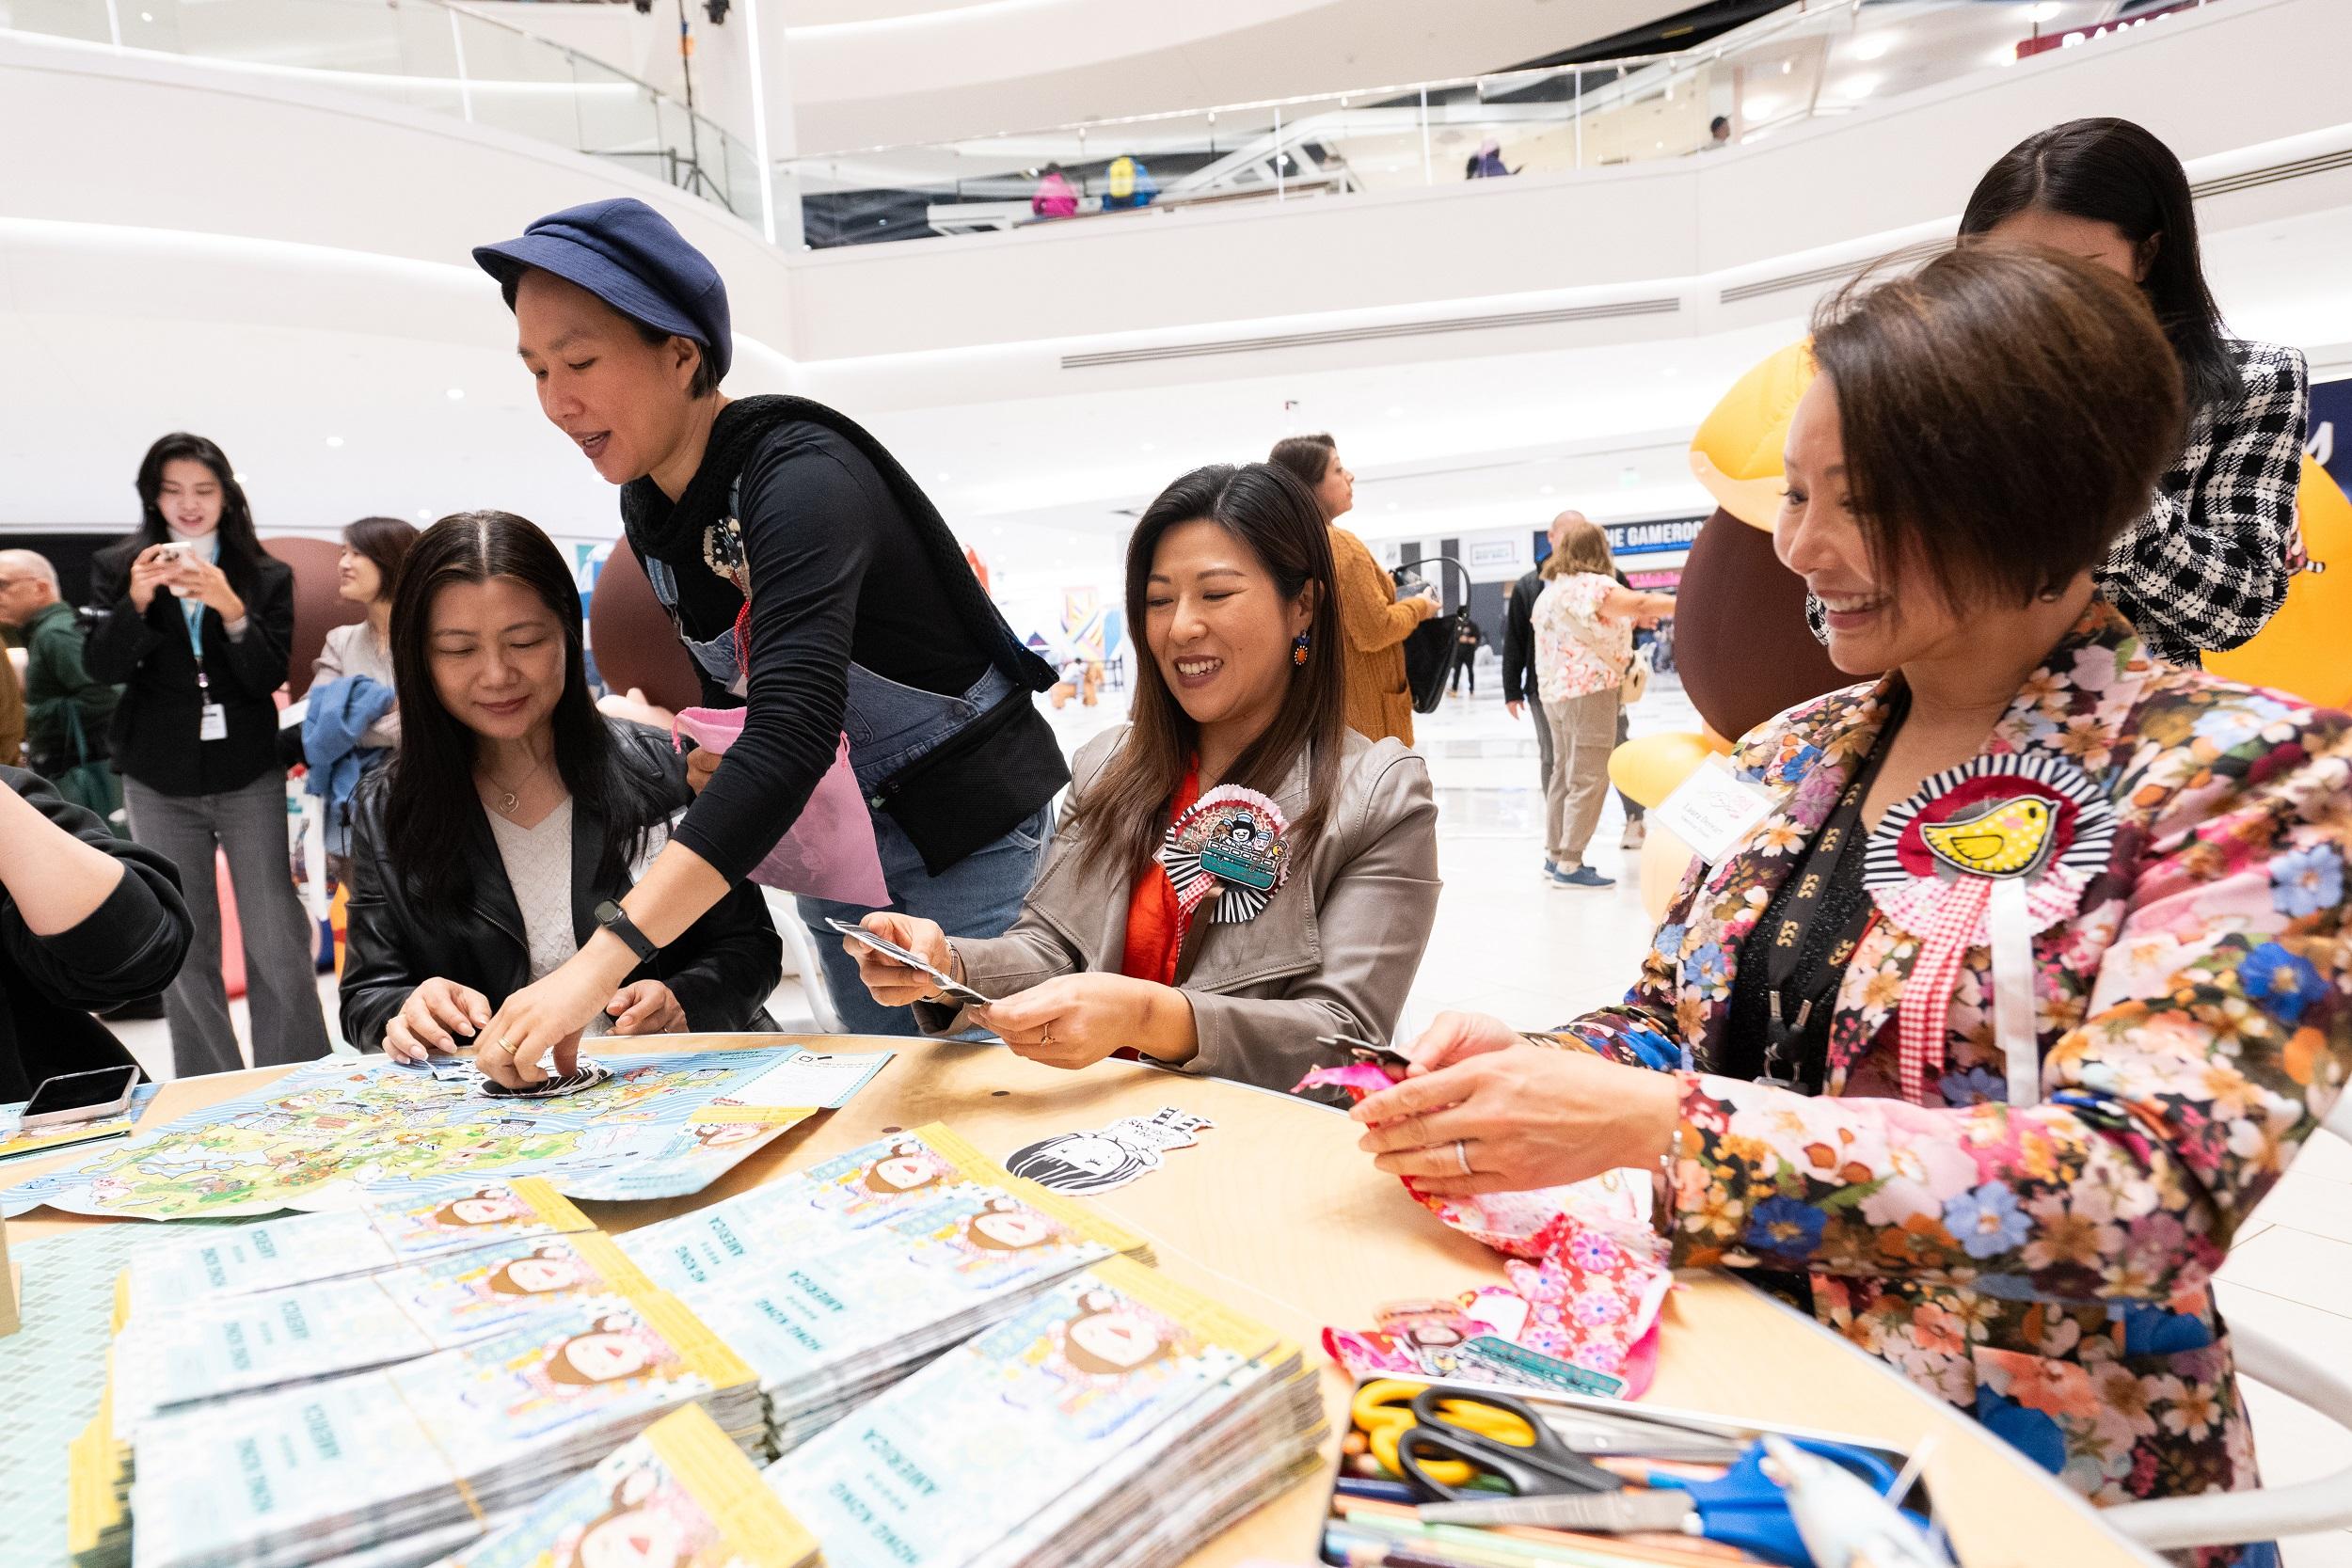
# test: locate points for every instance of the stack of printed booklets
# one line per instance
(1116, 1420)
(835, 1282)
(379, 1417)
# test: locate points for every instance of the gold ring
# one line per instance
(1045, 1035)
(504, 1044)
(1461, 1155)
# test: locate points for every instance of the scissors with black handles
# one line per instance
(1500, 1441)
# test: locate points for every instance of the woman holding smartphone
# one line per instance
(196, 627)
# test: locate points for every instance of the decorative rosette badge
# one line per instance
(1230, 844)
(1989, 854)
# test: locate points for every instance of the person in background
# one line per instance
(816, 588)
(354, 718)
(2206, 562)
(1583, 625)
(194, 621)
(1128, 185)
(366, 574)
(11, 715)
(1718, 135)
(1229, 588)
(512, 811)
(86, 919)
(1486, 162)
(63, 701)
(1054, 197)
(1636, 819)
(2008, 1163)
(1521, 691)
(1374, 622)
(1465, 645)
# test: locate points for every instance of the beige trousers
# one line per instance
(1583, 732)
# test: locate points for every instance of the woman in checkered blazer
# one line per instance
(2208, 563)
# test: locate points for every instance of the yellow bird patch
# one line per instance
(2006, 838)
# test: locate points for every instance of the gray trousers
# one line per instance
(1584, 731)
(248, 825)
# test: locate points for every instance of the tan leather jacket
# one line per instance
(1335, 952)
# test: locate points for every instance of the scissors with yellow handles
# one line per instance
(1445, 1445)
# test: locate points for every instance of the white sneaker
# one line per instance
(1636, 832)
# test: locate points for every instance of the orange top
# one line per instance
(1156, 926)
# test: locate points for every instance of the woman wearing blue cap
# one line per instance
(813, 582)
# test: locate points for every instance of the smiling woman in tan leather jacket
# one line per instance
(1229, 581)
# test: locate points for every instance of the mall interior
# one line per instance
(1202, 673)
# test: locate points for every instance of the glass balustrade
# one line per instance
(1812, 60)
(427, 56)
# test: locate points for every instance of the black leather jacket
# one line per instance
(722, 971)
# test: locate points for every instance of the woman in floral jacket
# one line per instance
(2027, 982)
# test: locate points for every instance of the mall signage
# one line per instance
(1673, 533)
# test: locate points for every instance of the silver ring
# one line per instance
(1461, 1156)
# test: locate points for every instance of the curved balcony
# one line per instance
(425, 55)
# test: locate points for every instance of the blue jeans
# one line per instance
(889, 726)
(977, 896)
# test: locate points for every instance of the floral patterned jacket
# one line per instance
(2045, 1267)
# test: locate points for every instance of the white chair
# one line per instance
(800, 952)
(2176, 1524)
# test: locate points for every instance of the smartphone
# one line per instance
(81, 1097)
(174, 554)
(947, 983)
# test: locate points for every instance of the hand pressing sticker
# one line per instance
(587, 1076)
(1099, 1162)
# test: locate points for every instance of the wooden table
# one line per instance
(1277, 1214)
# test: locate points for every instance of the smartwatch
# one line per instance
(614, 919)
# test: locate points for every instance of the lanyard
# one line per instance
(1816, 924)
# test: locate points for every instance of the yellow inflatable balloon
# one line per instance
(1735, 453)
(2307, 647)
(1648, 769)
(1665, 859)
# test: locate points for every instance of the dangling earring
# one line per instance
(1299, 645)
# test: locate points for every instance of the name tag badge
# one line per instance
(214, 724)
(1712, 810)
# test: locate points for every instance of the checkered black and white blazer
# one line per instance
(2208, 563)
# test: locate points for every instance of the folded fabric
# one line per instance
(1584, 1258)
(828, 853)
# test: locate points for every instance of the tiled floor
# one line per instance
(1508, 942)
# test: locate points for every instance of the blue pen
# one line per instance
(1375, 1491)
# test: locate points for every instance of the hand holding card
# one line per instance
(893, 989)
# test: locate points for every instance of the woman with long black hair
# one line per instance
(1138, 938)
(195, 626)
(2207, 564)
(511, 812)
(815, 587)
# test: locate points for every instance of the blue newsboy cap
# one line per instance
(629, 256)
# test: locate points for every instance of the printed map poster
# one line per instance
(330, 1132)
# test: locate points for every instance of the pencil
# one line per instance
(1466, 1549)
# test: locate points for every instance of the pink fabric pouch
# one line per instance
(829, 851)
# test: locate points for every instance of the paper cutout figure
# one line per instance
(1099, 1162)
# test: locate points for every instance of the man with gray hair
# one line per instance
(59, 691)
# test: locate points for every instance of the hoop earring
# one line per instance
(1299, 645)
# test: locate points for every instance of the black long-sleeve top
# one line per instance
(839, 573)
(157, 722)
(129, 946)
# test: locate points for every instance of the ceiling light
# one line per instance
(424, 514)
(1859, 86)
(146, 16)
(942, 480)
(2045, 10)
(457, 394)
(1763, 106)
(2005, 54)
(1788, 65)
(334, 441)
(1873, 47)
